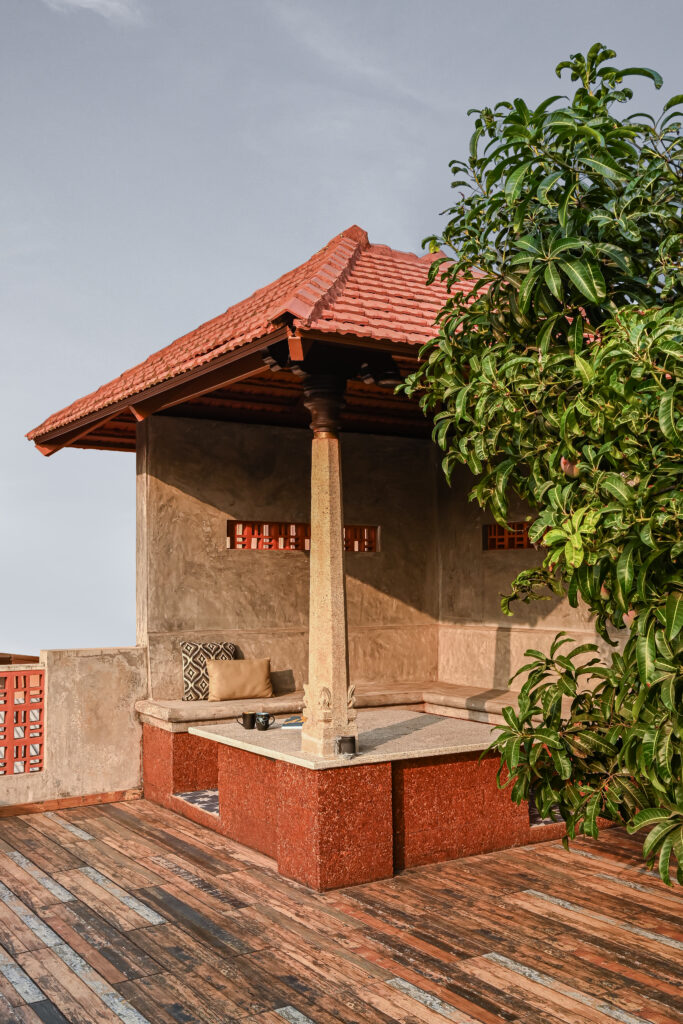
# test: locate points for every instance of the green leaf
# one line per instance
(563, 208)
(585, 369)
(529, 244)
(665, 858)
(576, 333)
(675, 101)
(510, 717)
(587, 277)
(549, 737)
(547, 183)
(617, 488)
(625, 572)
(553, 279)
(648, 816)
(654, 76)
(544, 336)
(590, 826)
(656, 837)
(526, 291)
(562, 244)
(606, 167)
(674, 615)
(646, 653)
(616, 254)
(563, 765)
(666, 416)
(512, 752)
(515, 182)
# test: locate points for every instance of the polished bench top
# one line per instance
(384, 734)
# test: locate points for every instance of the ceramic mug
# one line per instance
(264, 720)
(247, 719)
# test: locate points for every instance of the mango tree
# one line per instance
(558, 380)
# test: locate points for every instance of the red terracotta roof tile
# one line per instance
(350, 287)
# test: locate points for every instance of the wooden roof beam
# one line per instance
(70, 437)
(251, 366)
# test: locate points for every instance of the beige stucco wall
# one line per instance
(92, 735)
(425, 608)
(478, 644)
(195, 474)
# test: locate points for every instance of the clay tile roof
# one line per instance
(349, 287)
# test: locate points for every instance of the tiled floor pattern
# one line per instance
(207, 799)
(127, 913)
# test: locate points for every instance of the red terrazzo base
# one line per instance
(248, 786)
(449, 807)
(341, 826)
(326, 829)
(176, 762)
(334, 826)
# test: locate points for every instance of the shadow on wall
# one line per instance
(430, 560)
(203, 473)
(431, 569)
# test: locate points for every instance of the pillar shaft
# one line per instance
(328, 701)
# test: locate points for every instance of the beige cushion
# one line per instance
(238, 680)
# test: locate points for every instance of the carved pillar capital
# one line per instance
(324, 399)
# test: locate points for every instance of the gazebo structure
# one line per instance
(243, 535)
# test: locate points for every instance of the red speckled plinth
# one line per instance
(248, 785)
(449, 807)
(325, 828)
(176, 762)
(334, 827)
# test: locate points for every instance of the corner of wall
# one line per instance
(142, 456)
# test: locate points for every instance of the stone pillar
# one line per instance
(329, 713)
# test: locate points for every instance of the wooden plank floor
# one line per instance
(129, 913)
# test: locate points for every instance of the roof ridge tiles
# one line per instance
(337, 266)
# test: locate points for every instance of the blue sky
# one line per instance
(164, 158)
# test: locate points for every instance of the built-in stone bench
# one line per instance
(330, 824)
(417, 792)
(447, 699)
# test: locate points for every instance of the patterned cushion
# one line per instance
(195, 675)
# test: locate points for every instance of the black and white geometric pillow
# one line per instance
(195, 674)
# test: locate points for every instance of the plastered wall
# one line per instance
(425, 608)
(478, 644)
(92, 734)
(195, 474)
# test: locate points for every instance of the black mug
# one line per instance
(247, 719)
(264, 720)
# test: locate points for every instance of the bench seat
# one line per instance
(468, 702)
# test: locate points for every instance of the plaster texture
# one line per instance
(193, 475)
(92, 733)
(426, 607)
(477, 643)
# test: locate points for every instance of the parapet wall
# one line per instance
(91, 732)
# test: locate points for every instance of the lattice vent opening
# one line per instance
(259, 536)
(22, 710)
(500, 538)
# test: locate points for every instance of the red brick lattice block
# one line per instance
(499, 538)
(22, 720)
(257, 536)
(360, 538)
(269, 536)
